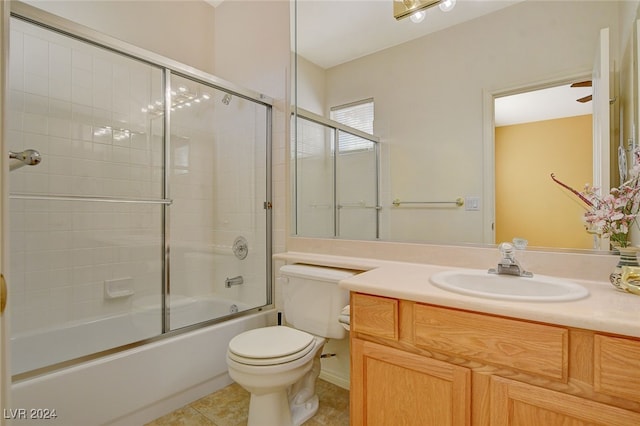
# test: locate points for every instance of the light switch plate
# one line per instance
(472, 203)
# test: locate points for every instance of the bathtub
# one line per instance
(133, 386)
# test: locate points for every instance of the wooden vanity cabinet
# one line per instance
(402, 388)
(517, 403)
(419, 364)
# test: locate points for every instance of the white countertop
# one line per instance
(605, 309)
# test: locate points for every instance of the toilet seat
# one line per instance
(270, 346)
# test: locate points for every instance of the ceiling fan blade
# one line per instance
(586, 83)
(585, 99)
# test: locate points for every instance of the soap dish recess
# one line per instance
(118, 287)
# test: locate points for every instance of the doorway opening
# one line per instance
(538, 132)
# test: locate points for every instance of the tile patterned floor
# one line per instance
(230, 407)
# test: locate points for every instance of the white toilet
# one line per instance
(279, 365)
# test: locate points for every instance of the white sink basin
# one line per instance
(480, 283)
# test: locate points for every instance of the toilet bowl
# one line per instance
(267, 362)
(279, 365)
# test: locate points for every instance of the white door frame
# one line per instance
(601, 115)
(601, 77)
(489, 96)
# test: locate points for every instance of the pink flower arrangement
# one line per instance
(614, 214)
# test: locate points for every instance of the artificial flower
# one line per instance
(614, 214)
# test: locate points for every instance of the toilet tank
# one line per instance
(312, 299)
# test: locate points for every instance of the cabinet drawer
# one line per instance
(616, 367)
(529, 347)
(374, 315)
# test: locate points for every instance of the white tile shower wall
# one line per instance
(81, 107)
(281, 188)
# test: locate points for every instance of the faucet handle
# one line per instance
(507, 250)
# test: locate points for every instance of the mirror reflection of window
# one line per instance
(358, 115)
(356, 172)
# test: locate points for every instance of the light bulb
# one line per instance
(447, 5)
(418, 17)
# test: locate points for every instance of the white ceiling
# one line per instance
(331, 32)
(544, 104)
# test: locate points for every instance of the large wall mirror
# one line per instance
(429, 172)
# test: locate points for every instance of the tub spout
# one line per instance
(229, 282)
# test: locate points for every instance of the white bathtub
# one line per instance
(57, 344)
(130, 387)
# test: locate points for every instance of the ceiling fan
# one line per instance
(586, 83)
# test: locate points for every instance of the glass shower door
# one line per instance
(314, 179)
(356, 187)
(85, 222)
(218, 219)
(335, 188)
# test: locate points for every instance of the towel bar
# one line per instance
(458, 202)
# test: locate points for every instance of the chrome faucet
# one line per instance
(508, 265)
(233, 281)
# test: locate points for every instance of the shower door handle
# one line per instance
(3, 294)
(29, 157)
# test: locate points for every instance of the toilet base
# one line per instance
(271, 409)
(303, 412)
(303, 401)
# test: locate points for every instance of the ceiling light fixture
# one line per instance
(416, 9)
(418, 16)
(447, 5)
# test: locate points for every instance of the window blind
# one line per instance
(358, 115)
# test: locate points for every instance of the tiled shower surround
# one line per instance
(80, 107)
(96, 117)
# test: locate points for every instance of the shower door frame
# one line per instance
(168, 68)
(5, 373)
(335, 128)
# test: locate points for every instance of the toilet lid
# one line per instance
(271, 342)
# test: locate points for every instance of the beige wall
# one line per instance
(251, 45)
(528, 203)
(311, 86)
(157, 26)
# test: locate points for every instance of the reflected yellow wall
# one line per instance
(528, 203)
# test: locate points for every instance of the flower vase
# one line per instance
(628, 257)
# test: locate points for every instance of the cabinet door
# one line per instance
(519, 404)
(616, 367)
(390, 387)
